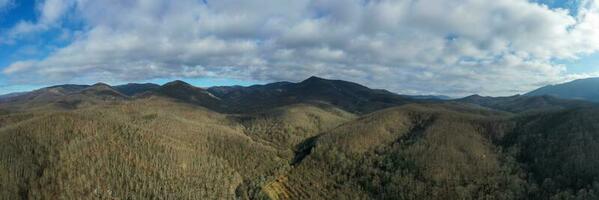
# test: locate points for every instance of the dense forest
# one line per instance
(322, 139)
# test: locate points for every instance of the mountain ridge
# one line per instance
(581, 89)
(314, 139)
(349, 96)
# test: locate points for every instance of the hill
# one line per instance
(152, 148)
(407, 152)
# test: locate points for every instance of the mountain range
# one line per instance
(582, 89)
(314, 139)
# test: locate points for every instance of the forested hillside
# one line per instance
(335, 140)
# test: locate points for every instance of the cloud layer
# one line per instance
(408, 46)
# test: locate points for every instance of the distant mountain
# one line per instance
(520, 103)
(350, 96)
(46, 94)
(429, 97)
(582, 89)
(132, 89)
(10, 95)
(185, 92)
(101, 91)
(65, 96)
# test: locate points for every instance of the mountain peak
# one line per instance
(131, 89)
(177, 82)
(316, 81)
(581, 89)
(100, 84)
(314, 78)
(474, 96)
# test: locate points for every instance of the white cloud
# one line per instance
(50, 13)
(432, 46)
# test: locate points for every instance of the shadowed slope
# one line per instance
(582, 89)
(559, 150)
(133, 89)
(345, 95)
(187, 93)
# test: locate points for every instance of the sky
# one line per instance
(442, 47)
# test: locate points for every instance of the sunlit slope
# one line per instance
(142, 149)
(287, 126)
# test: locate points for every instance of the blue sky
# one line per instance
(499, 48)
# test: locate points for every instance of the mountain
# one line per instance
(315, 139)
(45, 94)
(349, 96)
(429, 97)
(64, 96)
(521, 103)
(346, 95)
(132, 89)
(582, 89)
(185, 92)
(52, 92)
(102, 91)
(10, 95)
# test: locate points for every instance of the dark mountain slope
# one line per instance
(429, 97)
(132, 89)
(559, 151)
(346, 95)
(582, 89)
(185, 92)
